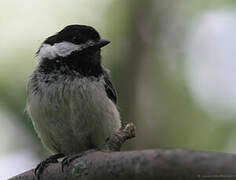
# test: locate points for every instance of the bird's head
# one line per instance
(73, 39)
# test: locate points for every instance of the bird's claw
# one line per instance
(42, 165)
(68, 159)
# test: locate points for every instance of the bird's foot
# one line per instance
(42, 165)
(68, 159)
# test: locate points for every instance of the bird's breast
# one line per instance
(73, 115)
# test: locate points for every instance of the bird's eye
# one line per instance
(74, 38)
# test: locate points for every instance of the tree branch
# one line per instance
(116, 140)
(139, 165)
(146, 164)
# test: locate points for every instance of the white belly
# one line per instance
(73, 116)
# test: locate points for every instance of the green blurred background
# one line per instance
(172, 63)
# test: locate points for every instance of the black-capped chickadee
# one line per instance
(70, 97)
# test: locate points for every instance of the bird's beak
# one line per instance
(102, 42)
(95, 44)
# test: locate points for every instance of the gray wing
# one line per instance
(110, 90)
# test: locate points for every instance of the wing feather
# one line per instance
(110, 90)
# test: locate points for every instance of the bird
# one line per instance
(70, 97)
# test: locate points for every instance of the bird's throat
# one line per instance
(85, 64)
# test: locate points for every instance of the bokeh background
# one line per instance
(173, 63)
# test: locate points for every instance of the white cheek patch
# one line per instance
(62, 49)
